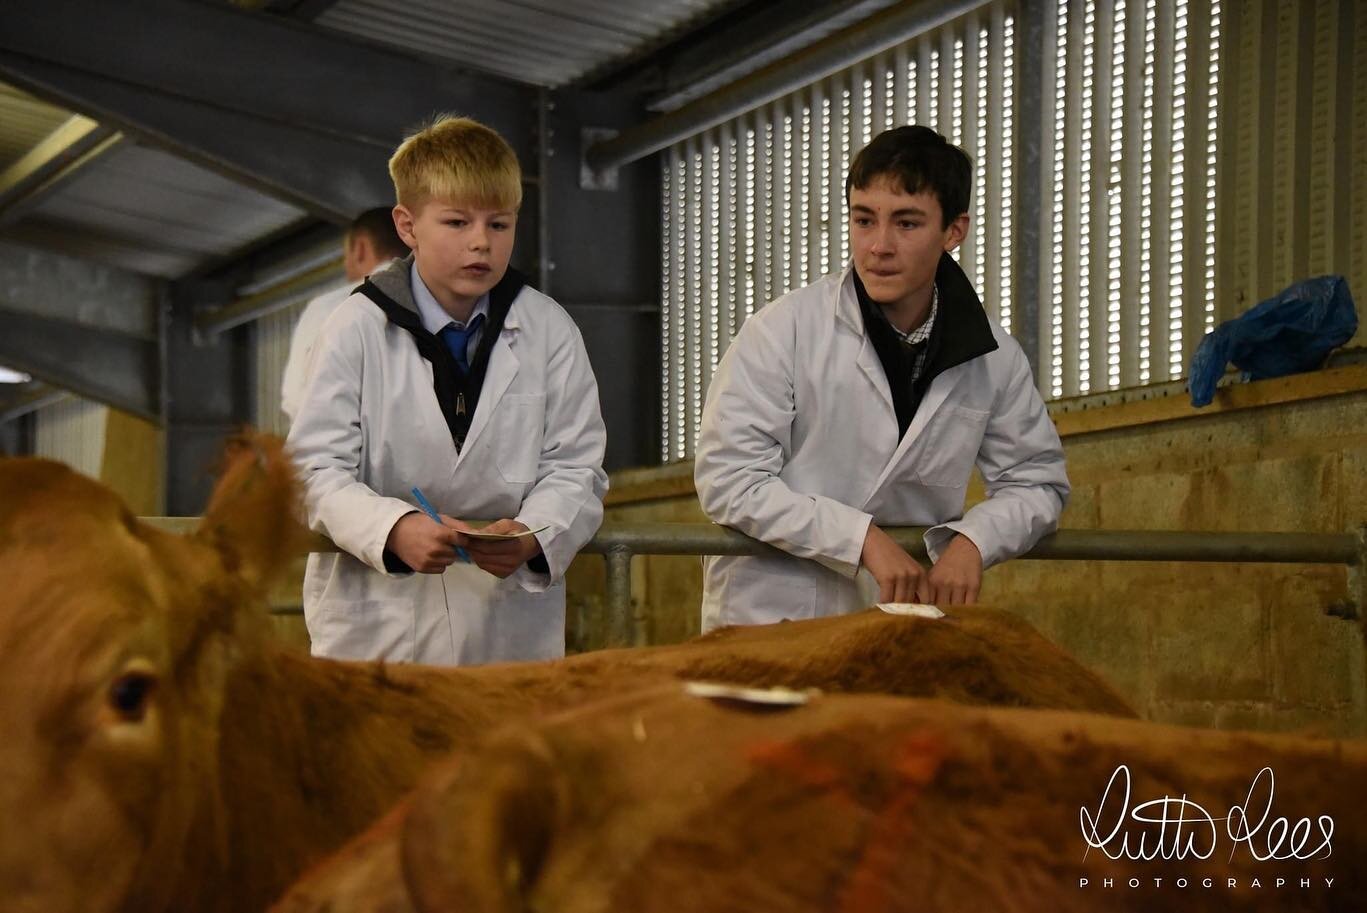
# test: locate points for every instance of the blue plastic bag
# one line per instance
(1293, 331)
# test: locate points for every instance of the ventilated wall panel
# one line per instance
(72, 430)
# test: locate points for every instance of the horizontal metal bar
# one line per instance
(104, 364)
(1145, 545)
(287, 268)
(830, 55)
(25, 398)
(1064, 545)
(254, 307)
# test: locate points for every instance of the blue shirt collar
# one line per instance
(434, 318)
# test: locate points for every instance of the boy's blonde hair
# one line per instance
(456, 159)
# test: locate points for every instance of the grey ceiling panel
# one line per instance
(548, 44)
(180, 214)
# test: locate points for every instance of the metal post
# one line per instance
(618, 559)
(544, 151)
(1026, 304)
(640, 621)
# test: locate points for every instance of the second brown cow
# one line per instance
(661, 802)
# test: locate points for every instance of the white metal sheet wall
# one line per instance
(1293, 171)
(1128, 127)
(756, 207)
(1127, 286)
(272, 351)
(72, 431)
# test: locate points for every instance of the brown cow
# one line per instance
(661, 802)
(159, 752)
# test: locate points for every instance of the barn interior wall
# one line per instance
(134, 462)
(72, 431)
(1293, 152)
(1229, 646)
(600, 261)
(16, 436)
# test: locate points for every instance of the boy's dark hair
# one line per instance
(378, 225)
(920, 160)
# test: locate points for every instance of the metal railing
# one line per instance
(618, 543)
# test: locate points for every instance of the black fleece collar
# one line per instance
(961, 333)
(962, 330)
(457, 394)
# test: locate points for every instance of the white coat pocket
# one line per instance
(520, 429)
(952, 442)
(526, 626)
(761, 589)
(363, 629)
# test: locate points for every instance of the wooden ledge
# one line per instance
(634, 486)
(1272, 392)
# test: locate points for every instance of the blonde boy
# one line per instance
(448, 373)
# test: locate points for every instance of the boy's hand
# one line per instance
(957, 576)
(900, 577)
(501, 557)
(426, 547)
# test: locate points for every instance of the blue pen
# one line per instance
(431, 511)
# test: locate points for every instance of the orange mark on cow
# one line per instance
(794, 761)
(916, 760)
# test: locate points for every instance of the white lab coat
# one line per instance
(369, 429)
(302, 340)
(799, 447)
(305, 335)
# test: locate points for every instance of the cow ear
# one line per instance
(480, 833)
(254, 516)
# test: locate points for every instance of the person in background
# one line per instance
(866, 399)
(446, 373)
(371, 242)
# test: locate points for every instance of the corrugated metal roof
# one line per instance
(162, 215)
(548, 44)
(24, 122)
(777, 46)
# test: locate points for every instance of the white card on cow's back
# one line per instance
(771, 697)
(479, 534)
(918, 609)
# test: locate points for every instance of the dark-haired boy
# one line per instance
(864, 400)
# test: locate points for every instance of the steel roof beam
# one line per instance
(55, 160)
(303, 114)
(111, 367)
(829, 55)
(18, 400)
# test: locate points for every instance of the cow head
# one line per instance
(116, 640)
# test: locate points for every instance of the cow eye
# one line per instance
(130, 693)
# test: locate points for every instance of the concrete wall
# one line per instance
(1246, 646)
(1239, 646)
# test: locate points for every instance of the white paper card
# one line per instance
(920, 610)
(780, 697)
(495, 536)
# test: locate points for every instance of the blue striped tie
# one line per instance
(458, 341)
